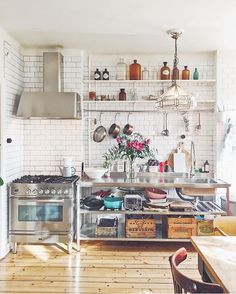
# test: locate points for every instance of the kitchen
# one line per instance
(203, 132)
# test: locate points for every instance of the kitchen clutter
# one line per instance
(67, 170)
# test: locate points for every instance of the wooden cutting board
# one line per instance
(187, 157)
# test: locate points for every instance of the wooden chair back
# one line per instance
(184, 284)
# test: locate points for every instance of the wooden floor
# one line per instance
(99, 268)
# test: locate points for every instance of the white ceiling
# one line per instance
(121, 25)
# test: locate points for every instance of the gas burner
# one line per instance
(38, 179)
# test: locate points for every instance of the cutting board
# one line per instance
(179, 162)
(187, 158)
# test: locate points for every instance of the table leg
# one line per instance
(228, 201)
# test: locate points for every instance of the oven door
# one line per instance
(41, 215)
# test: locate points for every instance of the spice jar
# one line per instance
(122, 95)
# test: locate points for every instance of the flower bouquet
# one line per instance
(132, 147)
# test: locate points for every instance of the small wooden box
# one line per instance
(140, 227)
(205, 228)
(181, 227)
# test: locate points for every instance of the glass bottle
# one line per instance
(121, 69)
(175, 73)
(195, 74)
(135, 71)
(97, 75)
(185, 73)
(105, 75)
(165, 72)
(122, 95)
(145, 74)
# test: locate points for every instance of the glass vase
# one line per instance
(131, 172)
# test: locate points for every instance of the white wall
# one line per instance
(11, 80)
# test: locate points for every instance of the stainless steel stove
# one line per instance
(42, 210)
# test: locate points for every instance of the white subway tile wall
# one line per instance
(14, 75)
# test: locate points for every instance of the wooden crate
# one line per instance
(181, 227)
(140, 228)
(205, 228)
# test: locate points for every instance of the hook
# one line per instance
(116, 116)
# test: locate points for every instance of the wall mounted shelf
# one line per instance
(210, 81)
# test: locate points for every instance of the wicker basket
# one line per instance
(140, 227)
(106, 231)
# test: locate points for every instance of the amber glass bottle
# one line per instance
(175, 73)
(135, 72)
(122, 95)
(165, 72)
(185, 73)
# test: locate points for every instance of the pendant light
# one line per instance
(175, 97)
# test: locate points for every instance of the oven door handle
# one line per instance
(25, 199)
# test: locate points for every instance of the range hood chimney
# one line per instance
(51, 103)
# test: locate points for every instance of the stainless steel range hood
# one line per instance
(51, 103)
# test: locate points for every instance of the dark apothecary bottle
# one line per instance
(97, 75)
(175, 73)
(105, 75)
(122, 95)
(185, 73)
(165, 72)
(135, 72)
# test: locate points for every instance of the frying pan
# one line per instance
(114, 129)
(128, 129)
(100, 132)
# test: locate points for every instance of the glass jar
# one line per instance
(122, 95)
(185, 73)
(145, 74)
(135, 72)
(131, 170)
(165, 72)
(121, 69)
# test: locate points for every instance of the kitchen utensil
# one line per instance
(179, 161)
(112, 202)
(165, 131)
(128, 129)
(198, 127)
(114, 129)
(186, 121)
(100, 132)
(92, 202)
(154, 193)
(95, 172)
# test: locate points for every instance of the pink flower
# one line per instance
(147, 141)
(137, 146)
(118, 140)
(129, 145)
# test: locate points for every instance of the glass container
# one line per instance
(175, 73)
(185, 73)
(145, 74)
(135, 72)
(122, 95)
(195, 74)
(165, 72)
(121, 69)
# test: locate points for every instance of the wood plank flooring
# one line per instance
(112, 268)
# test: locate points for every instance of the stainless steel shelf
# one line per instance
(209, 81)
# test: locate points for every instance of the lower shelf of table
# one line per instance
(87, 232)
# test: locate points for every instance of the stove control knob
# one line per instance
(53, 191)
(59, 191)
(34, 191)
(28, 191)
(40, 191)
(46, 191)
(66, 191)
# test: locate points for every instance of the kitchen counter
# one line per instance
(144, 180)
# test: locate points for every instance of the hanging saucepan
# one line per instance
(114, 129)
(100, 132)
(128, 129)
